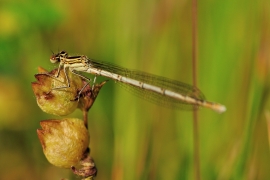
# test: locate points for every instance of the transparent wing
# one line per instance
(165, 83)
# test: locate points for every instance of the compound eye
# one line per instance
(54, 59)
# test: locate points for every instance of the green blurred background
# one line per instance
(132, 138)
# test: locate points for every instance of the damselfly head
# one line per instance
(55, 58)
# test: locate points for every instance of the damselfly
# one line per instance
(151, 87)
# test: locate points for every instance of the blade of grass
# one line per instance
(194, 72)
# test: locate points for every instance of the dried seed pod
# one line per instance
(58, 101)
(64, 142)
(89, 95)
(87, 169)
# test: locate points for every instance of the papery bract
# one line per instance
(56, 101)
(63, 141)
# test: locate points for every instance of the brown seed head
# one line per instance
(56, 101)
(63, 141)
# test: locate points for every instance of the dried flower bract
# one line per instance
(50, 97)
(64, 142)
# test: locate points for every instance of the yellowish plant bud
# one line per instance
(53, 99)
(64, 142)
